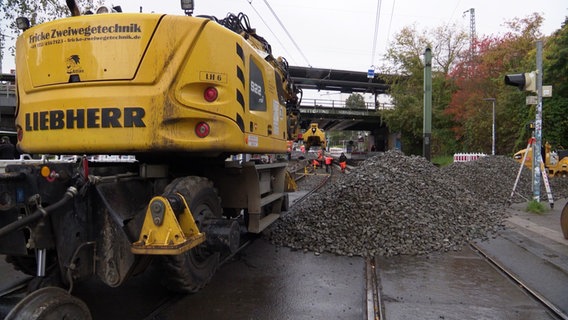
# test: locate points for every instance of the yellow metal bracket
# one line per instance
(291, 185)
(163, 233)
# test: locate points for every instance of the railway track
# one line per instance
(557, 312)
(522, 284)
(468, 284)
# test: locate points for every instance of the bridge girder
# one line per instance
(336, 80)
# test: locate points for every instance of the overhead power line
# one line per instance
(390, 22)
(287, 33)
(269, 29)
(375, 36)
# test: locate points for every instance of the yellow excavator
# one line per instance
(314, 137)
(556, 165)
(157, 116)
(555, 162)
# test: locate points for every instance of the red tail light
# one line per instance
(202, 129)
(210, 94)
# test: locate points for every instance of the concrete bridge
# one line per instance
(7, 102)
(333, 115)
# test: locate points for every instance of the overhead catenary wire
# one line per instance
(269, 29)
(390, 22)
(376, 34)
(287, 33)
(454, 12)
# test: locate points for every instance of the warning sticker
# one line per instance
(252, 140)
(276, 117)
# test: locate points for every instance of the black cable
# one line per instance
(287, 33)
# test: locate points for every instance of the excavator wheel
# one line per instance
(50, 303)
(564, 221)
(192, 270)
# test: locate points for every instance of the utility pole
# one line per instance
(533, 82)
(492, 126)
(472, 33)
(427, 127)
(537, 157)
(1, 50)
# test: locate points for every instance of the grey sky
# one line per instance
(339, 34)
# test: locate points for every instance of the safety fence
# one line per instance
(465, 157)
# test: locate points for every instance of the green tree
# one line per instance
(355, 101)
(555, 73)
(37, 11)
(405, 59)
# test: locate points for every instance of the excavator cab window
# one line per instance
(257, 95)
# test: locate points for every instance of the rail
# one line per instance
(534, 294)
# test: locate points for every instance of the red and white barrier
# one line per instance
(465, 157)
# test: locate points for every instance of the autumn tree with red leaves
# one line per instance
(482, 78)
(462, 117)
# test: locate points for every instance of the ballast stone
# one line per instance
(393, 204)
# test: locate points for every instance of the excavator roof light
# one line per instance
(187, 6)
(23, 23)
(105, 9)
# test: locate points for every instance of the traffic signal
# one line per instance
(523, 81)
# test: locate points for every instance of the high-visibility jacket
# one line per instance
(328, 160)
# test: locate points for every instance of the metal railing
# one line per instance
(340, 104)
(7, 89)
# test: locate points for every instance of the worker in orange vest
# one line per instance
(319, 161)
(316, 164)
(342, 162)
(328, 162)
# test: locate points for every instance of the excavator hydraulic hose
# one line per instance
(39, 213)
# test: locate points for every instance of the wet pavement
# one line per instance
(268, 282)
(534, 250)
(456, 285)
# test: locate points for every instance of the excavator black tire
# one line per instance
(191, 271)
(564, 221)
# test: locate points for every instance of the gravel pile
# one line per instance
(559, 186)
(492, 178)
(390, 204)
